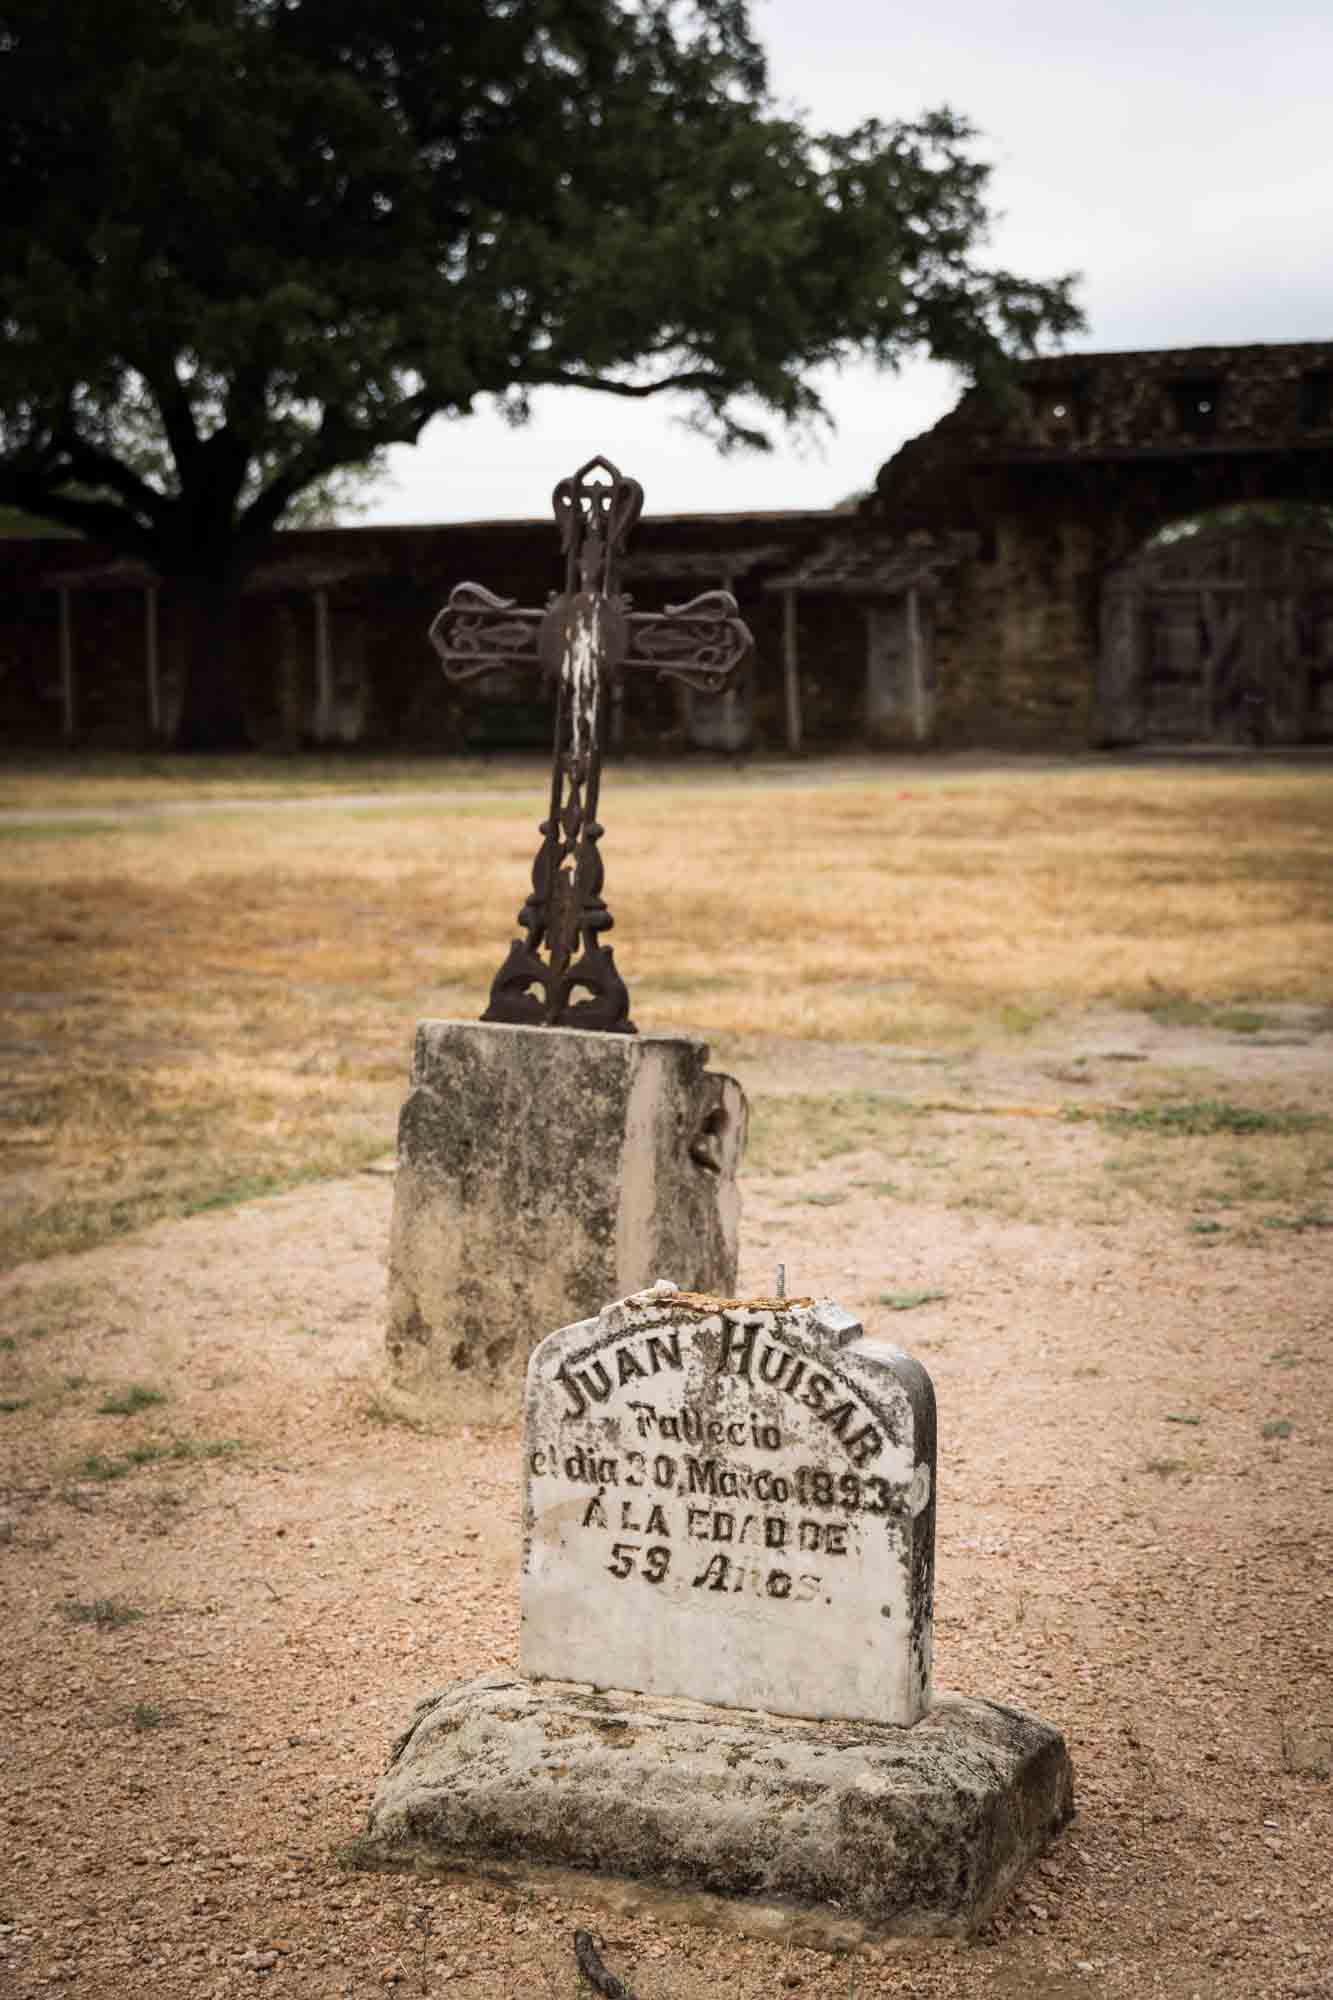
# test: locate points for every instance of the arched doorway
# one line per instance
(1220, 630)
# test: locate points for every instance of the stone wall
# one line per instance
(1066, 474)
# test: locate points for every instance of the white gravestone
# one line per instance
(725, 1685)
(731, 1501)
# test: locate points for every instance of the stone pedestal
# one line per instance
(544, 1170)
(913, 1831)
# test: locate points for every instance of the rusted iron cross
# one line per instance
(584, 639)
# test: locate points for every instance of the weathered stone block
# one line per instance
(919, 1830)
(541, 1172)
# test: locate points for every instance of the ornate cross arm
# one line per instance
(478, 631)
(702, 643)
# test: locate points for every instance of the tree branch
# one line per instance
(572, 378)
(335, 443)
(170, 395)
(100, 520)
(88, 465)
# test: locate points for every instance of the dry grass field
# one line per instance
(210, 990)
(1038, 1060)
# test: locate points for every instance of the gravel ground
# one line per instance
(220, 1606)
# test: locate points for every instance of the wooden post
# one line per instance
(152, 661)
(790, 677)
(686, 698)
(67, 710)
(916, 667)
(323, 726)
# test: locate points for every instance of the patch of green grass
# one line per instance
(11, 1405)
(130, 1401)
(1181, 1417)
(1313, 1218)
(821, 1200)
(7, 1343)
(95, 1466)
(1205, 1227)
(1278, 1427)
(1205, 1117)
(1175, 1011)
(146, 1715)
(75, 1223)
(180, 1451)
(147, 1454)
(248, 1187)
(103, 1612)
(1286, 1357)
(901, 1302)
(192, 1448)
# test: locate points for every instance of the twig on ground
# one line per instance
(596, 1974)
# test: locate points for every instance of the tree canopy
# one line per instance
(247, 243)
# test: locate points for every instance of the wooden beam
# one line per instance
(916, 667)
(68, 717)
(791, 684)
(323, 724)
(152, 661)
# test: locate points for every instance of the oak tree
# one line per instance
(246, 243)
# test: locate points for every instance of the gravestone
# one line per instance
(725, 1663)
(541, 1173)
(732, 1502)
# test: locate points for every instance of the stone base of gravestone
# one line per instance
(919, 1831)
(542, 1171)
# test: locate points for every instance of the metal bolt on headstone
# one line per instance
(585, 639)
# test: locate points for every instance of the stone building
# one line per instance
(1081, 617)
(1112, 548)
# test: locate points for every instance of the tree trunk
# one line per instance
(212, 714)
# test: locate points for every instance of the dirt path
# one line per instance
(1136, 1506)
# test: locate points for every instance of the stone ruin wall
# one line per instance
(1015, 640)
(1064, 477)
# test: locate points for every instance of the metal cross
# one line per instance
(585, 638)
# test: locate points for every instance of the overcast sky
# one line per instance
(1180, 157)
